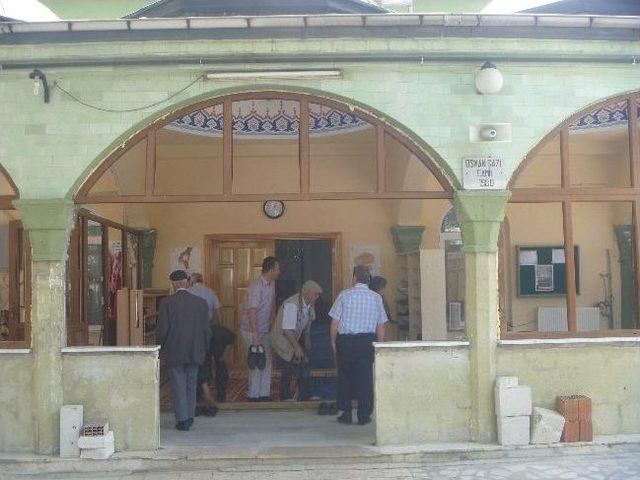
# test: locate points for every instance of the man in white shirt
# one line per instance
(291, 341)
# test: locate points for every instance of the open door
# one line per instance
(234, 264)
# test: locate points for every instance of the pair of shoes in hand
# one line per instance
(256, 357)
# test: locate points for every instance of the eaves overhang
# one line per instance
(577, 27)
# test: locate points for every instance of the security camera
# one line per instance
(488, 133)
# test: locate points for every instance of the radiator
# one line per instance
(554, 319)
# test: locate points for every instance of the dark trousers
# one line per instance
(355, 373)
(183, 380)
(300, 370)
(222, 379)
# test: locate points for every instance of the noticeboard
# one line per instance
(542, 271)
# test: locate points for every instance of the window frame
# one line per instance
(381, 127)
(78, 271)
(568, 195)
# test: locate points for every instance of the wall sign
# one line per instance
(483, 173)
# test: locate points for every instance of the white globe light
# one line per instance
(489, 80)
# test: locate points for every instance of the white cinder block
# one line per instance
(98, 441)
(98, 453)
(546, 425)
(513, 430)
(70, 424)
(513, 402)
(506, 382)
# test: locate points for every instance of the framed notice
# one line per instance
(542, 270)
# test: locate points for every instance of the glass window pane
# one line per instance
(535, 276)
(189, 154)
(95, 292)
(543, 169)
(599, 147)
(266, 146)
(127, 175)
(404, 171)
(604, 234)
(342, 151)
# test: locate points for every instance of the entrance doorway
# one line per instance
(233, 261)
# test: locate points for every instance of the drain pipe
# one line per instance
(248, 60)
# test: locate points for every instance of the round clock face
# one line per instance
(273, 208)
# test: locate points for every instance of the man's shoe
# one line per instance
(190, 422)
(210, 411)
(364, 421)
(261, 358)
(345, 418)
(253, 399)
(183, 426)
(252, 358)
(264, 399)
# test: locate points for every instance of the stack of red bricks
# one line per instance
(576, 409)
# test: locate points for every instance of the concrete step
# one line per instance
(240, 458)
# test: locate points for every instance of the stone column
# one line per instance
(480, 214)
(48, 223)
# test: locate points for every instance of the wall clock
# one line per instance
(273, 208)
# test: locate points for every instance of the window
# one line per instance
(247, 146)
(569, 241)
(104, 257)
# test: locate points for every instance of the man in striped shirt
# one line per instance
(357, 319)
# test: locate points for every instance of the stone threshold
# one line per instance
(203, 458)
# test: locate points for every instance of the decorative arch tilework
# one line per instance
(257, 118)
(607, 116)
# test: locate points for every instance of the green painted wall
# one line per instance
(121, 388)
(606, 373)
(86, 9)
(16, 422)
(48, 148)
(422, 395)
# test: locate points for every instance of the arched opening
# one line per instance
(189, 191)
(15, 275)
(569, 262)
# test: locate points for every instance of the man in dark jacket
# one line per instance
(183, 333)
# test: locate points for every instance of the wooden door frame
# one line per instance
(336, 250)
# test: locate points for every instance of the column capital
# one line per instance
(48, 222)
(480, 213)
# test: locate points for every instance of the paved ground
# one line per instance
(300, 445)
(625, 466)
(263, 429)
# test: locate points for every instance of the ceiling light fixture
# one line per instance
(274, 74)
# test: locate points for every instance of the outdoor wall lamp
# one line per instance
(489, 80)
(38, 77)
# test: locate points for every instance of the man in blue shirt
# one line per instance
(357, 319)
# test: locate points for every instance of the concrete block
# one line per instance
(514, 430)
(513, 401)
(98, 441)
(506, 382)
(585, 428)
(70, 424)
(98, 453)
(546, 426)
(571, 431)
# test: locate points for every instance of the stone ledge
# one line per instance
(420, 345)
(17, 351)
(107, 350)
(570, 342)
